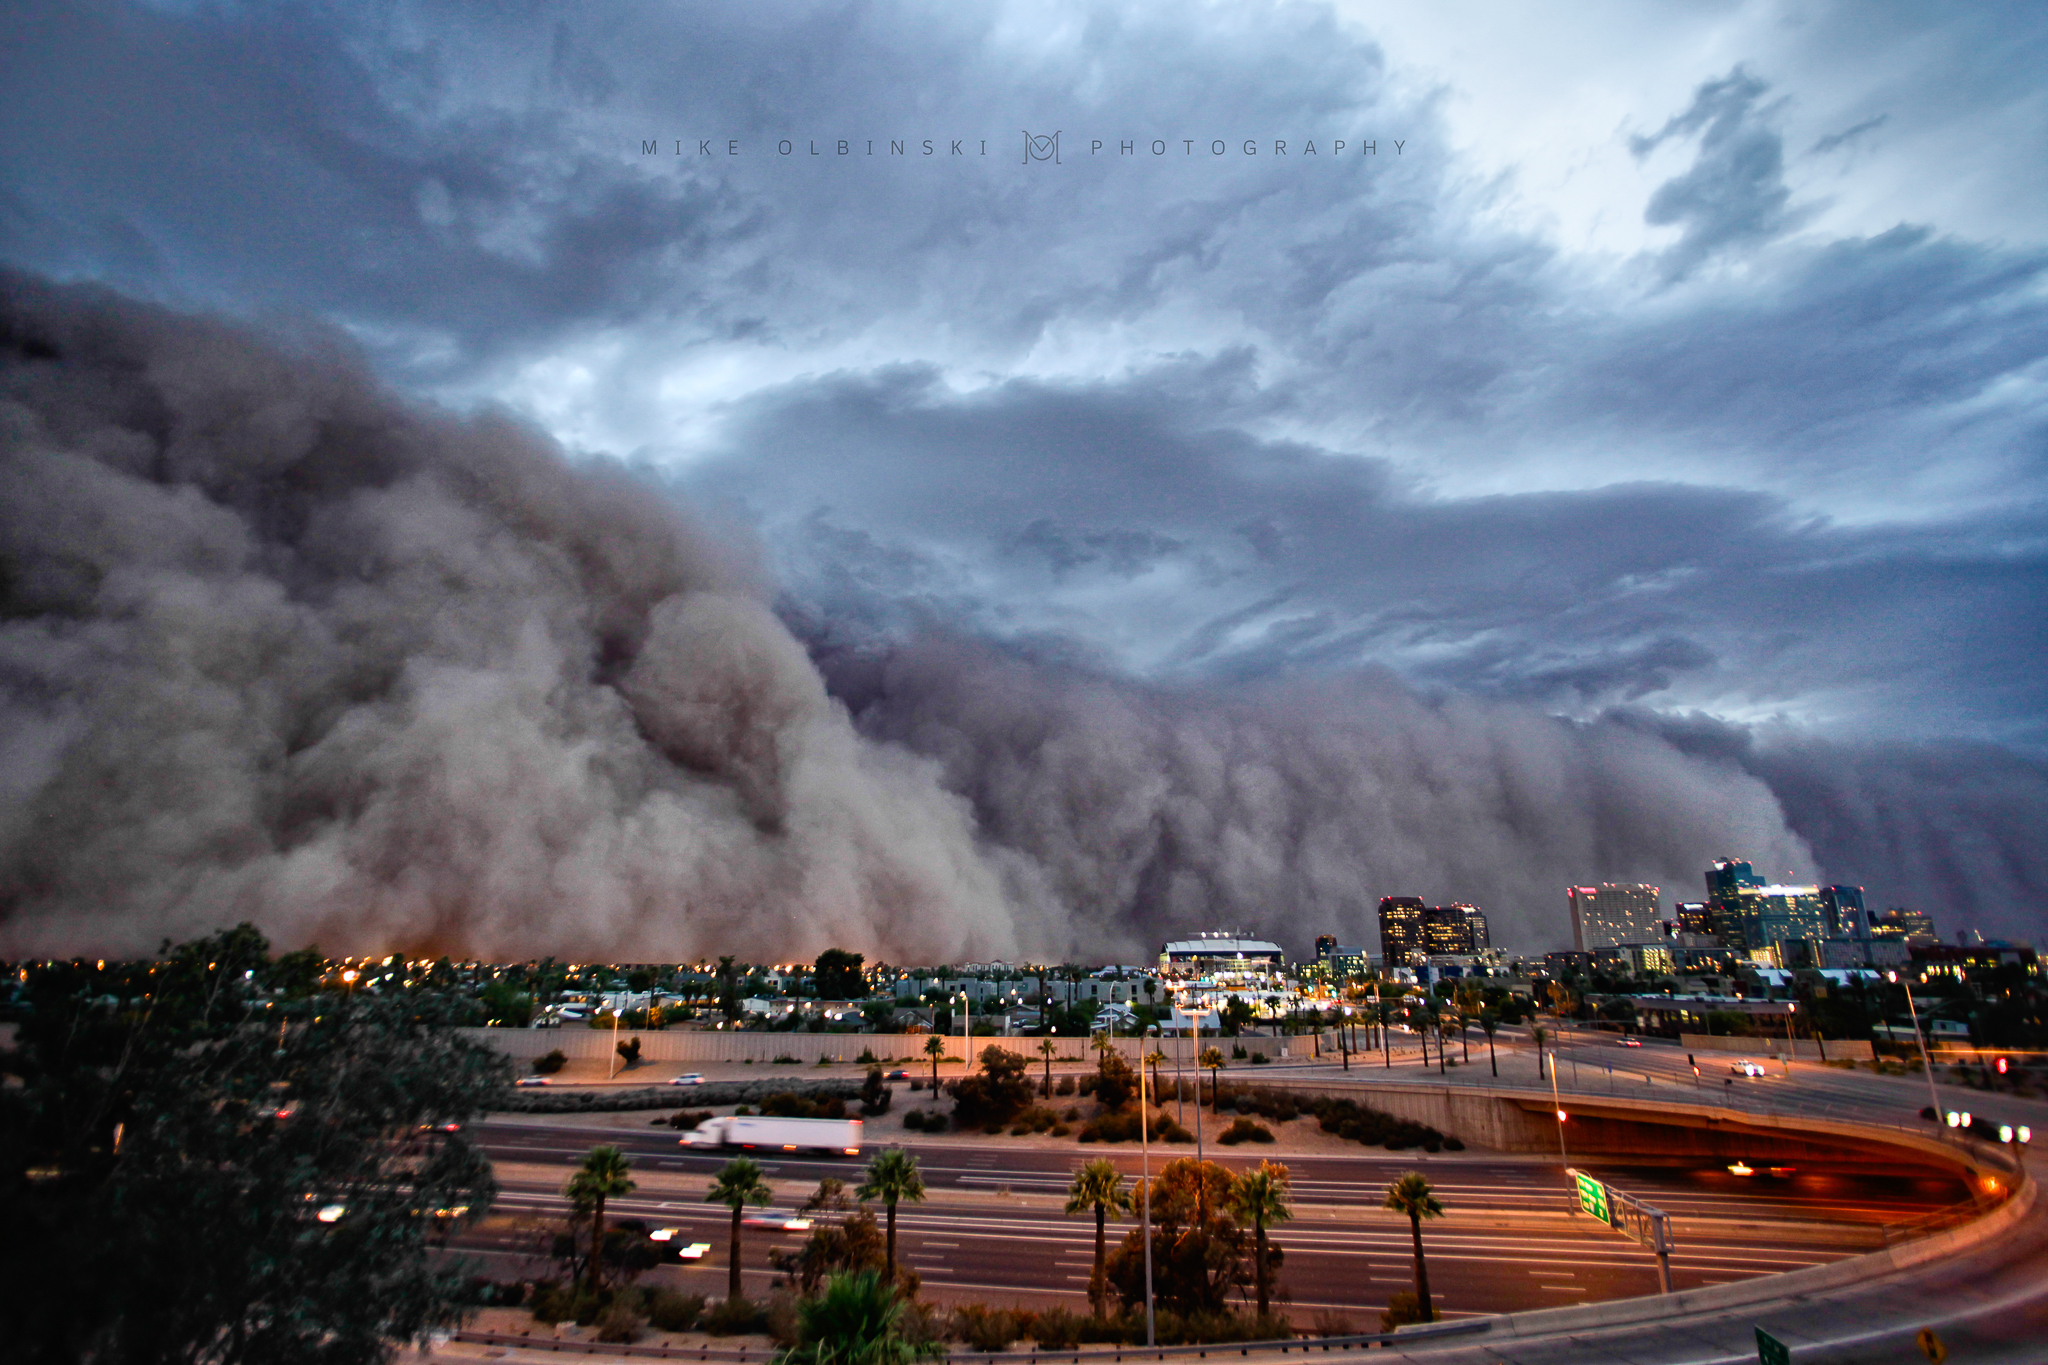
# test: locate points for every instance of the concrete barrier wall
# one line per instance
(1802, 1049)
(580, 1042)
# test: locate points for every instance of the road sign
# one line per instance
(1770, 1350)
(1930, 1345)
(1592, 1196)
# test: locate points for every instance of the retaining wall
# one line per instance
(701, 1046)
(1802, 1049)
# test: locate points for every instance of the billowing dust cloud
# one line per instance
(277, 646)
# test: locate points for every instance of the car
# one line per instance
(1631, 1042)
(533, 1080)
(450, 1127)
(899, 1074)
(689, 1078)
(1746, 1067)
(695, 1251)
(781, 1222)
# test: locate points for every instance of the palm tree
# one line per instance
(1047, 1049)
(1259, 1197)
(935, 1048)
(602, 1176)
(1155, 1056)
(1488, 1023)
(737, 1184)
(1411, 1195)
(891, 1176)
(1098, 1186)
(1537, 1035)
(1212, 1057)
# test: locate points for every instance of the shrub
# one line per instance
(1260, 1059)
(1237, 1052)
(1328, 1324)
(784, 1059)
(1057, 1329)
(743, 1111)
(867, 1057)
(1451, 1144)
(670, 1310)
(914, 1120)
(1071, 1114)
(1063, 1086)
(916, 1084)
(734, 1316)
(1244, 1130)
(779, 1319)
(549, 1064)
(989, 1329)
(618, 1322)
(553, 1303)
(1118, 1125)
(687, 1118)
(1402, 1309)
(1059, 1130)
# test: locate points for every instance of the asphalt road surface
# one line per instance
(993, 1228)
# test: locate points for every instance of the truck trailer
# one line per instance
(762, 1132)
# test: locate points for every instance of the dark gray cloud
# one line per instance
(1734, 193)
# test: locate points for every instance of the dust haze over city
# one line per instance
(434, 520)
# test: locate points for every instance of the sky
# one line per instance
(1672, 372)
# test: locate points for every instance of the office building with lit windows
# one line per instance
(1614, 913)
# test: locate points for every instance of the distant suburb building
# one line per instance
(1613, 913)
(1402, 929)
(1221, 953)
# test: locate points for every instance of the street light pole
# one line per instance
(1145, 1156)
(1926, 1054)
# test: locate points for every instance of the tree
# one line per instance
(856, 1321)
(1212, 1057)
(935, 1048)
(892, 1176)
(1048, 1049)
(1489, 1023)
(602, 1176)
(1536, 1035)
(836, 975)
(1259, 1197)
(1115, 1081)
(997, 1093)
(1201, 1256)
(505, 1004)
(193, 1168)
(1155, 1057)
(842, 1238)
(1098, 1188)
(729, 989)
(1411, 1195)
(738, 1183)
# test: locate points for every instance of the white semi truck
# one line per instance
(758, 1131)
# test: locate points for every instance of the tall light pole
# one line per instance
(1926, 1054)
(1195, 1018)
(966, 1035)
(1145, 1156)
(614, 1070)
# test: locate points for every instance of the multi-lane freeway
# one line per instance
(994, 1229)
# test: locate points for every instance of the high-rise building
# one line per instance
(1613, 913)
(1335, 960)
(1694, 918)
(1843, 907)
(1401, 929)
(1475, 927)
(1900, 923)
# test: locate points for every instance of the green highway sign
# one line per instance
(1770, 1350)
(1592, 1196)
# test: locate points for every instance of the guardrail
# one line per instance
(1106, 1355)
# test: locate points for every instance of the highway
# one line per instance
(993, 1227)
